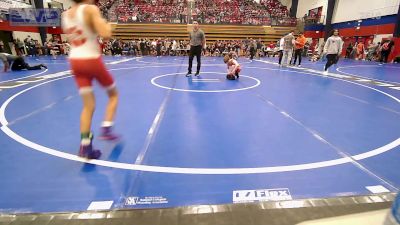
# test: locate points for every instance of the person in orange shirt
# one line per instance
(360, 51)
(299, 47)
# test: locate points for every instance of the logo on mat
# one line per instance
(131, 200)
(135, 200)
(261, 195)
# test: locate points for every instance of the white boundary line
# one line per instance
(18, 84)
(36, 74)
(206, 81)
(372, 79)
(153, 81)
(181, 170)
(202, 64)
(120, 61)
(31, 81)
(20, 78)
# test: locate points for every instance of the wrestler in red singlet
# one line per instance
(83, 24)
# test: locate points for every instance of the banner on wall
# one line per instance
(35, 17)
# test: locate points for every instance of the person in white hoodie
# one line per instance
(333, 49)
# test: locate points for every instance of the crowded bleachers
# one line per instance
(239, 11)
(105, 6)
(165, 11)
(249, 12)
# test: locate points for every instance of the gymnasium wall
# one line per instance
(22, 32)
(356, 18)
(21, 35)
(367, 27)
(379, 37)
(349, 10)
(287, 3)
(378, 29)
(305, 5)
(36, 36)
(66, 3)
(314, 31)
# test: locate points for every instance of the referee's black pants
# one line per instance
(195, 51)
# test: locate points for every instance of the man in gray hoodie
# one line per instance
(333, 49)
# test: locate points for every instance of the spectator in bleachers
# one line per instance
(386, 49)
(360, 51)
(349, 49)
(372, 47)
(21, 47)
(252, 48)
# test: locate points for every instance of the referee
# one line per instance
(197, 41)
